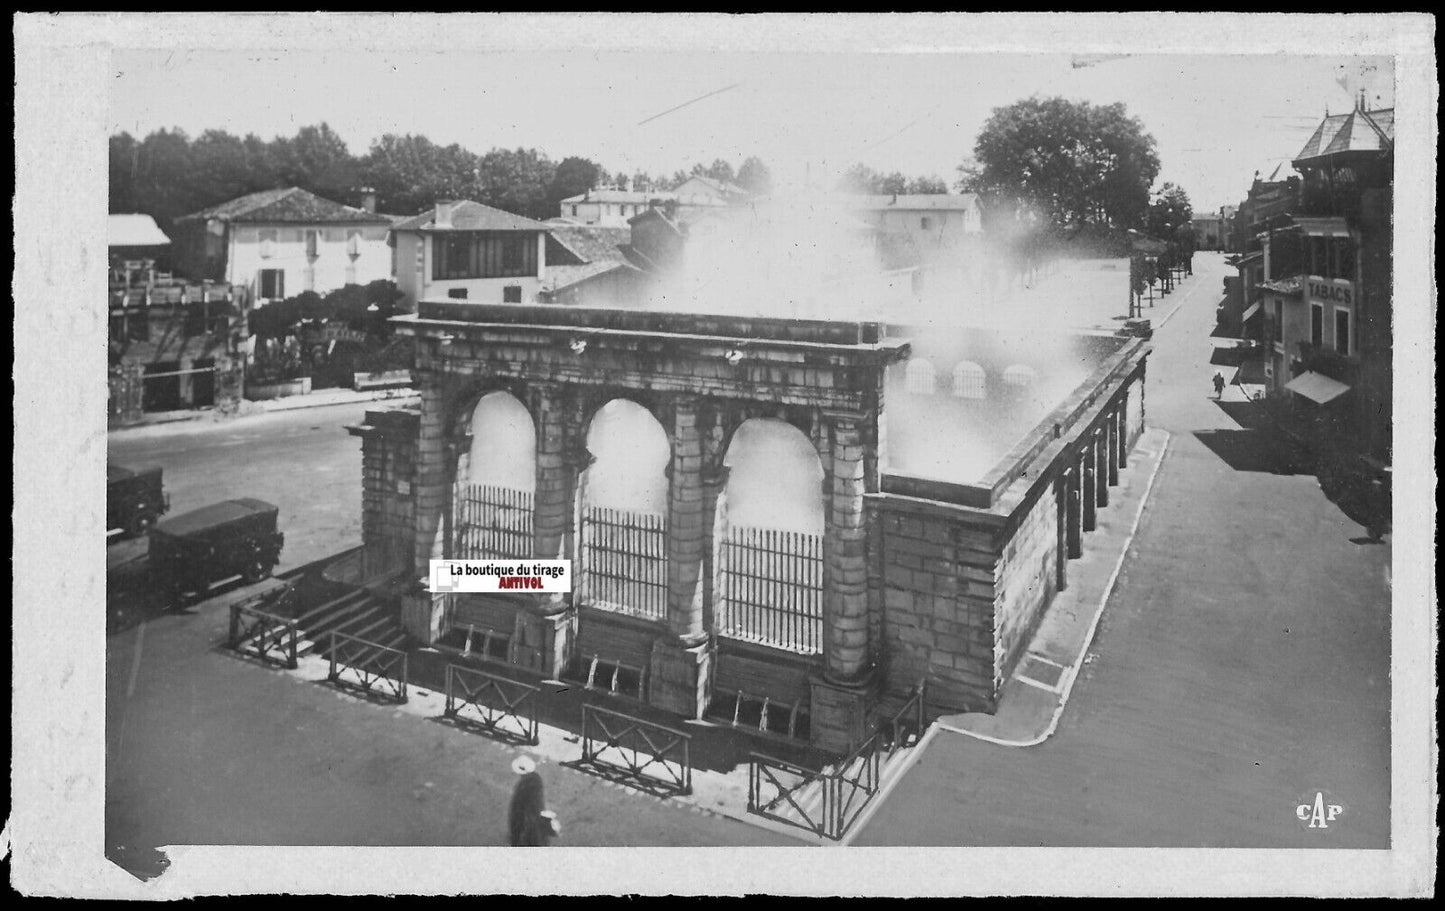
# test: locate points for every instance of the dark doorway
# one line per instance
(203, 384)
(162, 393)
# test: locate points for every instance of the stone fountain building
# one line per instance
(803, 632)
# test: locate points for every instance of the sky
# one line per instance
(808, 114)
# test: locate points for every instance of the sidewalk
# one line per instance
(1035, 695)
(321, 399)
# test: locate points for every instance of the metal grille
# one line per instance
(624, 562)
(772, 588)
(493, 523)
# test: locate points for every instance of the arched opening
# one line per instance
(919, 377)
(769, 539)
(496, 480)
(1020, 376)
(969, 381)
(622, 496)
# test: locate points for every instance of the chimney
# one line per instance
(443, 214)
(368, 199)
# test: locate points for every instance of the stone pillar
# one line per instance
(550, 621)
(185, 384)
(1061, 522)
(1101, 466)
(842, 698)
(1111, 437)
(230, 383)
(680, 663)
(845, 594)
(430, 487)
(1074, 531)
(1122, 419)
(1087, 464)
(687, 534)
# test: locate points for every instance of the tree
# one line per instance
(317, 159)
(1077, 162)
(573, 176)
(124, 164)
(162, 162)
(927, 185)
(860, 179)
(719, 170)
(1169, 212)
(516, 180)
(755, 177)
(410, 173)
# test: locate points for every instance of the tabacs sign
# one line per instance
(1330, 291)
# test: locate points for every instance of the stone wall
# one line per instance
(1025, 580)
(388, 473)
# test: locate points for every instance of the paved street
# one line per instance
(205, 748)
(1241, 665)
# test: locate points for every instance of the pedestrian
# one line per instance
(529, 822)
(1218, 384)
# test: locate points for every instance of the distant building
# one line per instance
(1209, 231)
(589, 265)
(279, 243)
(705, 191)
(1329, 270)
(464, 250)
(609, 207)
(174, 344)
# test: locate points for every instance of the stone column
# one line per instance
(430, 486)
(1074, 536)
(1087, 464)
(1111, 436)
(841, 700)
(680, 664)
(1122, 416)
(548, 627)
(846, 593)
(1101, 466)
(1061, 521)
(687, 533)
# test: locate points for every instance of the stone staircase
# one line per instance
(360, 613)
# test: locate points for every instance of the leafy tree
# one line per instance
(124, 165)
(318, 160)
(410, 173)
(1077, 162)
(860, 179)
(516, 180)
(719, 170)
(1169, 212)
(927, 185)
(573, 176)
(755, 177)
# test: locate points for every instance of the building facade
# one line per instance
(279, 243)
(1328, 294)
(463, 250)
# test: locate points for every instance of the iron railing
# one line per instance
(828, 801)
(642, 753)
(498, 706)
(772, 589)
(372, 667)
(493, 523)
(624, 562)
(268, 636)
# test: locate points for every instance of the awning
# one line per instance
(1253, 309)
(1316, 387)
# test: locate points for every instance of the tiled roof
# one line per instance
(559, 277)
(470, 216)
(134, 231)
(1357, 131)
(291, 204)
(591, 243)
(726, 189)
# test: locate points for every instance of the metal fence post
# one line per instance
(332, 675)
(291, 656)
(404, 658)
(233, 638)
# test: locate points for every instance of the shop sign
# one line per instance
(1330, 291)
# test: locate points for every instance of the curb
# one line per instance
(1072, 672)
(256, 409)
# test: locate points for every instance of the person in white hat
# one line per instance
(529, 822)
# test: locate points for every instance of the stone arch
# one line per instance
(919, 377)
(969, 380)
(622, 507)
(1020, 376)
(503, 451)
(775, 478)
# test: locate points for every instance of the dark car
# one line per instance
(191, 551)
(134, 499)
